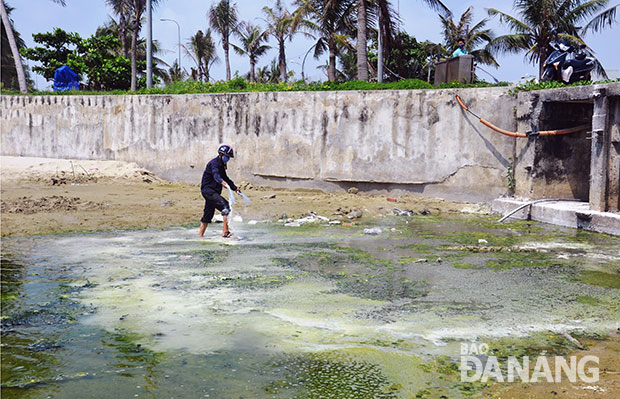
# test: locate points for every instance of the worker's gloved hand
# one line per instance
(238, 191)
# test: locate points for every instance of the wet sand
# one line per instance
(42, 198)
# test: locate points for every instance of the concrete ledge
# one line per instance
(562, 213)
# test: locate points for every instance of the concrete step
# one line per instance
(562, 213)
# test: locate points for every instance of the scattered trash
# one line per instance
(335, 222)
(421, 261)
(391, 199)
(272, 196)
(58, 181)
(439, 260)
(373, 232)
(482, 241)
(355, 214)
(308, 217)
(425, 212)
(353, 190)
(347, 224)
(252, 222)
(403, 212)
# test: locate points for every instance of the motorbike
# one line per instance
(567, 64)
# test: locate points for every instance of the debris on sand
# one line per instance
(353, 190)
(403, 212)
(373, 232)
(29, 206)
(356, 214)
(308, 217)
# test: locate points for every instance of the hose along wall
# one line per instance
(517, 134)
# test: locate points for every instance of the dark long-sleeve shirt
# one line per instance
(212, 177)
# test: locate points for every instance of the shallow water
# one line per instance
(312, 311)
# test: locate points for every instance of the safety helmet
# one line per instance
(226, 150)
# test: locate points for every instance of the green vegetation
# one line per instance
(600, 279)
(240, 85)
(533, 85)
(330, 375)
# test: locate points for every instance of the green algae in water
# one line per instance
(324, 375)
(600, 279)
(355, 273)
(509, 260)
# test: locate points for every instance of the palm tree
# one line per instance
(332, 21)
(252, 39)
(201, 49)
(114, 28)
(9, 72)
(130, 14)
(541, 18)
(174, 74)
(365, 13)
(473, 36)
(19, 67)
(280, 25)
(122, 8)
(223, 18)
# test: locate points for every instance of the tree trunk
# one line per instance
(542, 58)
(19, 68)
(134, 55)
(226, 59)
(331, 67)
(362, 56)
(122, 30)
(282, 58)
(252, 75)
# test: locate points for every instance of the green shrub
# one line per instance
(240, 85)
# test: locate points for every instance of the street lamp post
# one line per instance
(149, 45)
(179, 32)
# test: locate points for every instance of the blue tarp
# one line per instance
(66, 79)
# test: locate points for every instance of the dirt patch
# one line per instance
(28, 206)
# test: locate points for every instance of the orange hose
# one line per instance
(461, 103)
(521, 135)
(502, 131)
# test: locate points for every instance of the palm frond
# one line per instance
(513, 23)
(507, 44)
(602, 20)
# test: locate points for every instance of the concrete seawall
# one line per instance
(417, 141)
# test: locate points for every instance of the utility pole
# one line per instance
(380, 49)
(149, 44)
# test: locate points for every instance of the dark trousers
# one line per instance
(214, 201)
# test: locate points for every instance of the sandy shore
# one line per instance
(49, 196)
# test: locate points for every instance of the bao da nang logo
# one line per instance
(477, 365)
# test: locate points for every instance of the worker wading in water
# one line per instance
(213, 179)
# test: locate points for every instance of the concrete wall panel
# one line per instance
(413, 140)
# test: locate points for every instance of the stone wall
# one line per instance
(418, 141)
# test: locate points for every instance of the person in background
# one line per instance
(460, 50)
(213, 179)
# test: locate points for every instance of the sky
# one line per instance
(84, 16)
